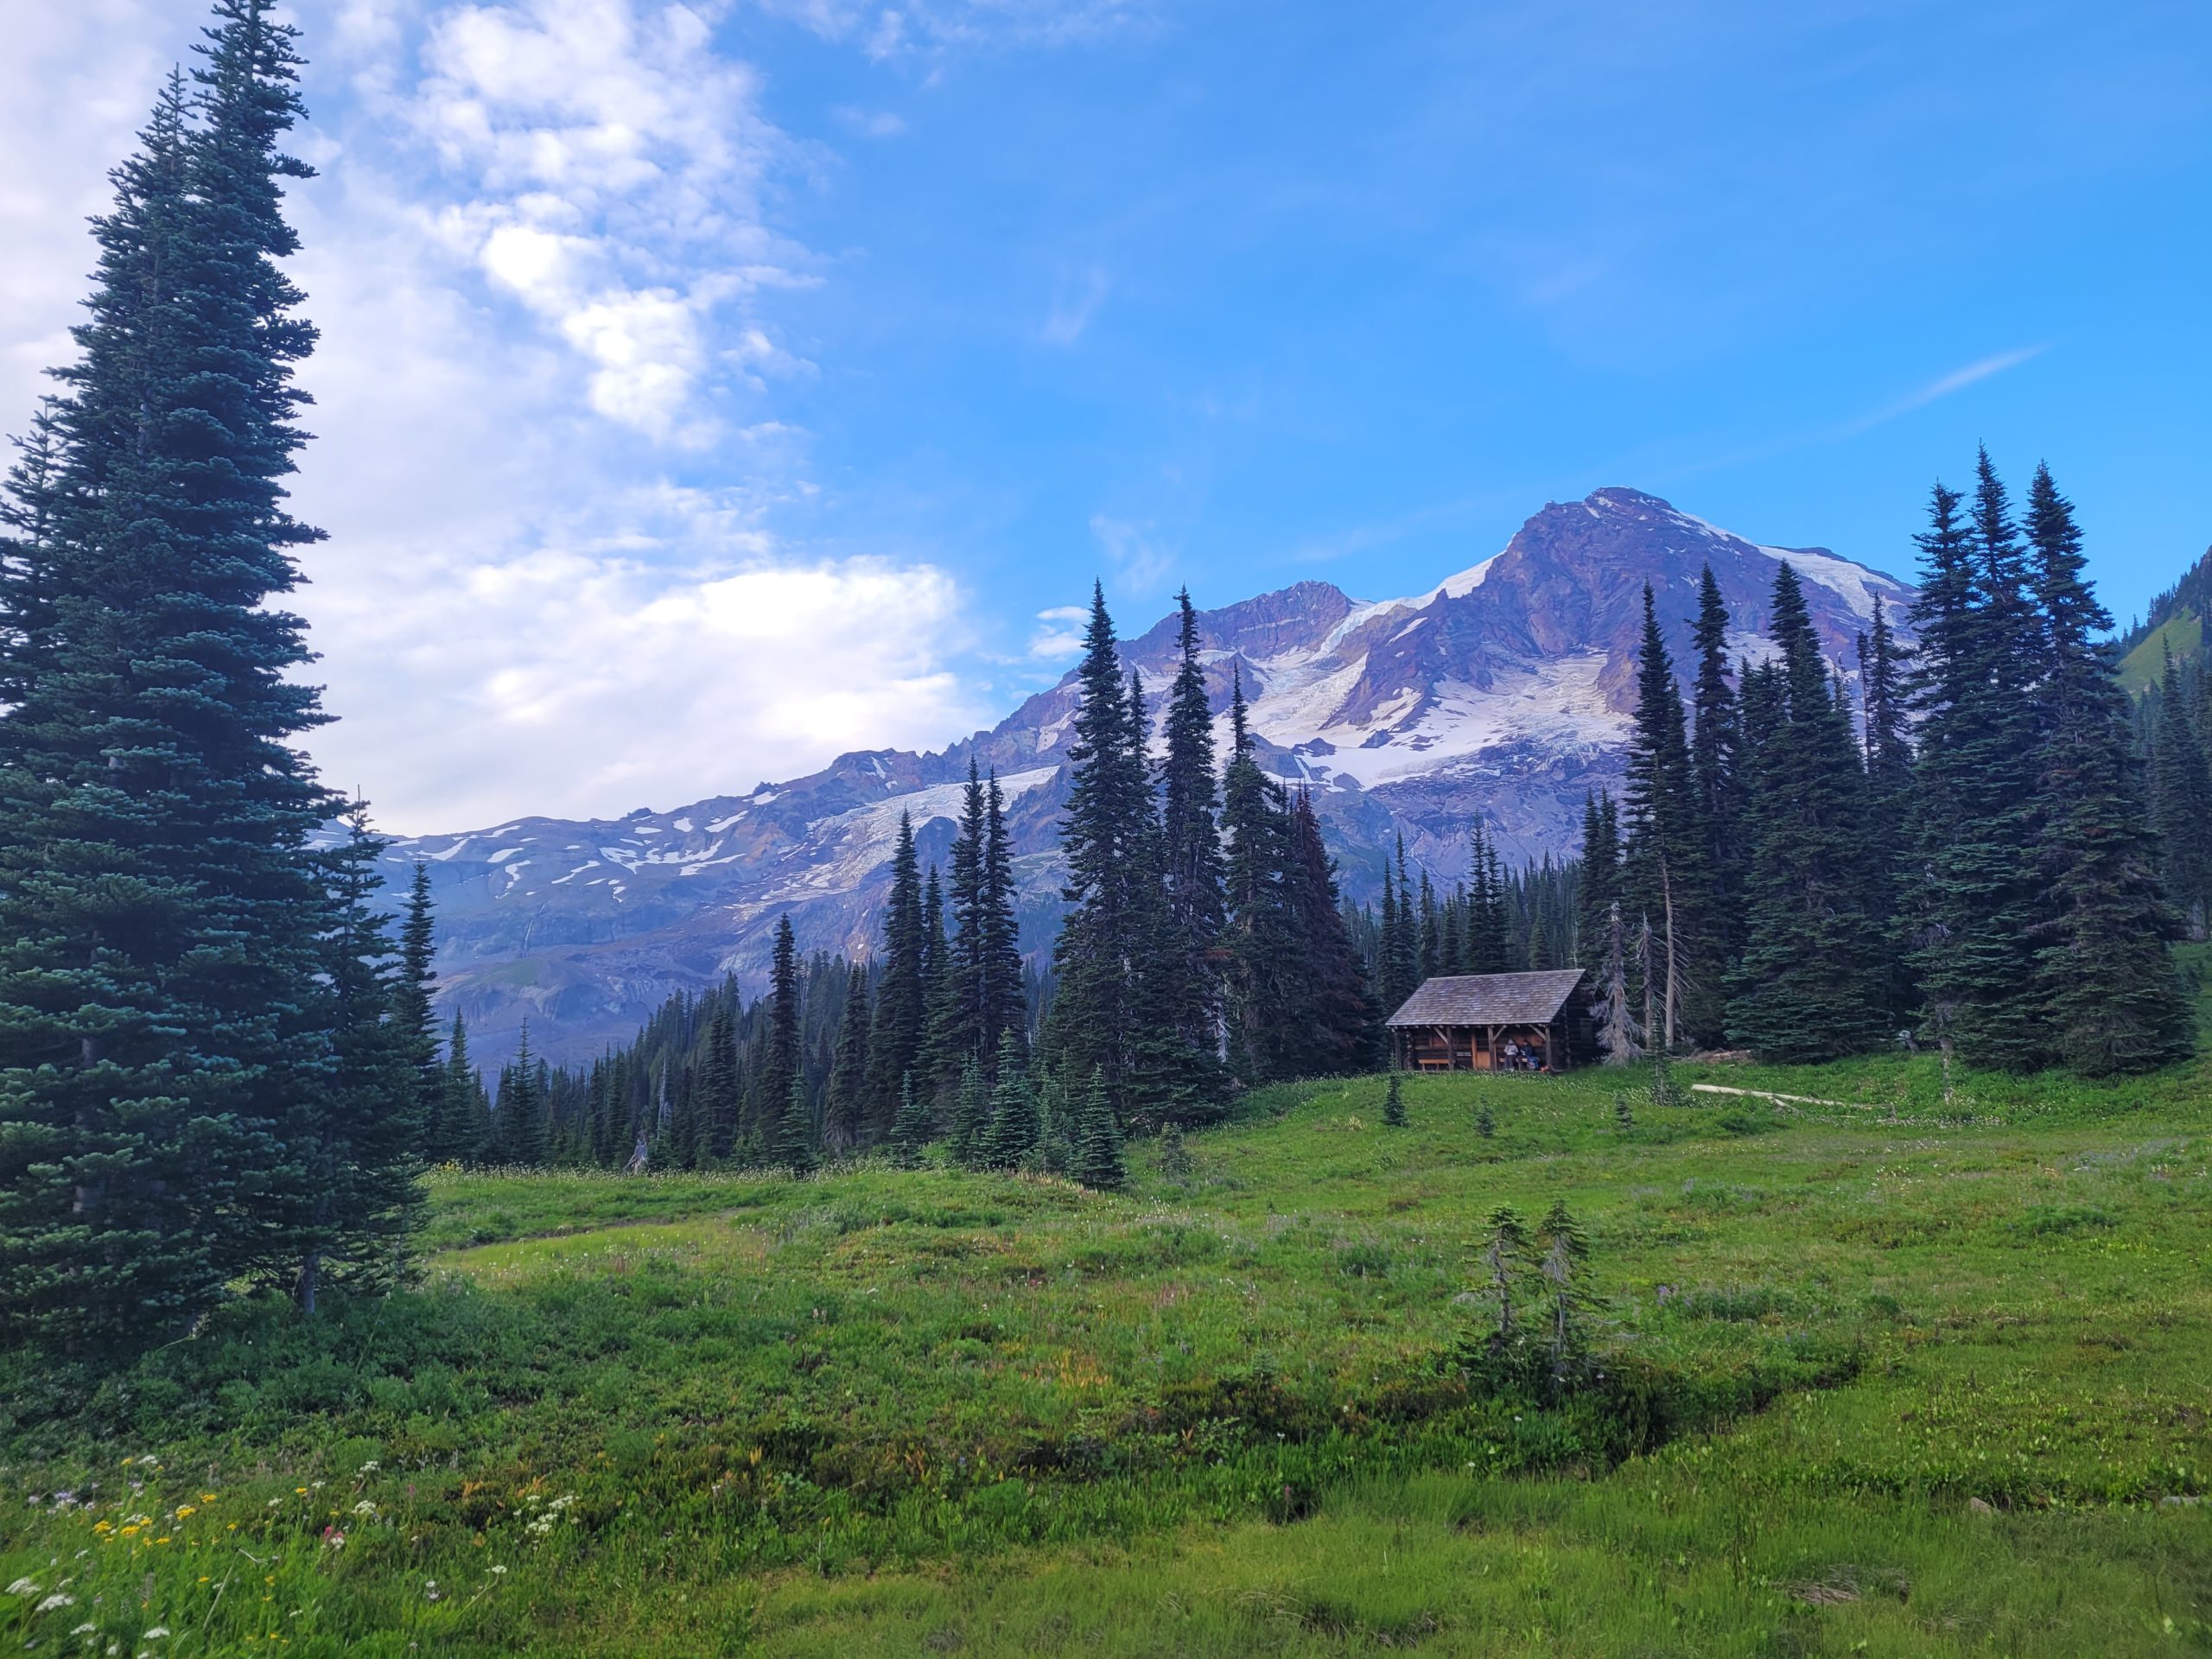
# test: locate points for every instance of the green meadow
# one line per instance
(1890, 1372)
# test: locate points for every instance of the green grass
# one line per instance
(2182, 634)
(1921, 1372)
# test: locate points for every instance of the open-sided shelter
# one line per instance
(1496, 1022)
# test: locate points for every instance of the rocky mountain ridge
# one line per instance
(1504, 690)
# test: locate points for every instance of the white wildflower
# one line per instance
(370, 1466)
(23, 1587)
(57, 1599)
(85, 1628)
(157, 1632)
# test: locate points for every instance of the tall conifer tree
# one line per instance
(1191, 843)
(2116, 1002)
(1103, 840)
(895, 1038)
(1809, 985)
(1978, 653)
(163, 1010)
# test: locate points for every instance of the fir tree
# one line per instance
(464, 1121)
(1191, 865)
(1330, 1027)
(895, 1038)
(411, 1011)
(1256, 941)
(2181, 798)
(1098, 1156)
(1016, 1128)
(353, 1146)
(1401, 945)
(910, 1128)
(959, 1013)
(1715, 741)
(1810, 981)
(519, 1114)
(971, 1117)
(2116, 1002)
(1103, 840)
(1668, 874)
(847, 1106)
(1882, 665)
(1171, 1070)
(781, 1062)
(1600, 890)
(1001, 999)
(163, 1009)
(1619, 1033)
(1394, 1102)
(794, 1148)
(716, 1094)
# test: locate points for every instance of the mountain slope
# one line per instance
(1504, 690)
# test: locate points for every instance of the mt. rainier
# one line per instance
(1504, 690)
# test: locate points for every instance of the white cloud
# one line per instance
(1074, 305)
(1944, 385)
(1140, 558)
(889, 31)
(610, 165)
(1058, 633)
(537, 255)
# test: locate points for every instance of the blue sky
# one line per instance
(710, 387)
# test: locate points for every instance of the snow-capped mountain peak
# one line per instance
(1504, 691)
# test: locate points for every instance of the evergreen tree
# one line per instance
(794, 1148)
(895, 1038)
(1978, 743)
(1098, 1158)
(1002, 997)
(1330, 1027)
(411, 1011)
(1600, 890)
(1192, 863)
(1394, 1102)
(781, 1062)
(2116, 1002)
(848, 1093)
(1618, 1034)
(1810, 983)
(1667, 872)
(2181, 801)
(1715, 741)
(717, 1093)
(1402, 945)
(163, 919)
(1102, 838)
(971, 1117)
(958, 1013)
(353, 1146)
(519, 1124)
(910, 1128)
(1882, 665)
(1256, 942)
(1015, 1129)
(464, 1121)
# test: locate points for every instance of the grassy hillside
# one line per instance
(2182, 634)
(1891, 1374)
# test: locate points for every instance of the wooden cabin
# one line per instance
(1496, 1022)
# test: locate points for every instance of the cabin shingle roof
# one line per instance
(1490, 999)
